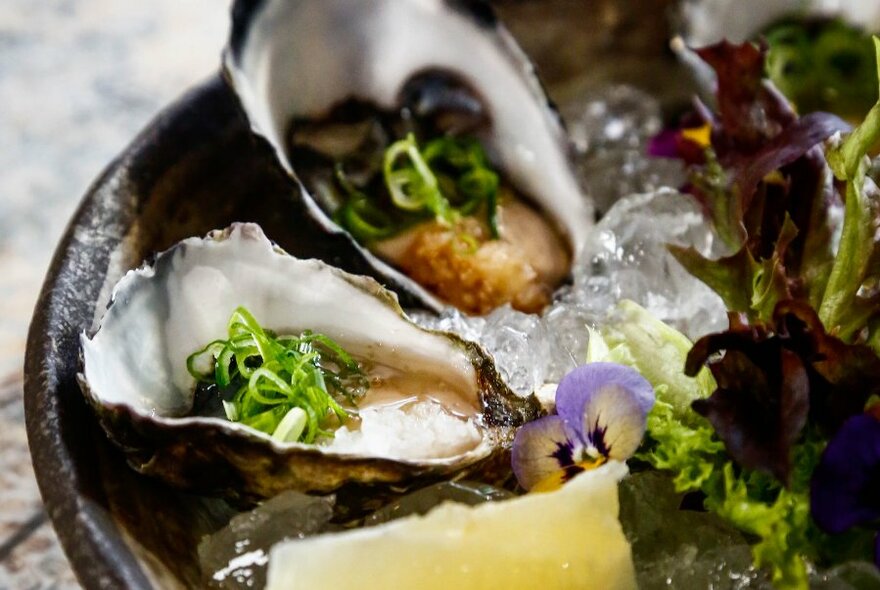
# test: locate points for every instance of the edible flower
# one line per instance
(285, 386)
(601, 411)
(845, 490)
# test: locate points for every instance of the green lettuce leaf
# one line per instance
(846, 306)
(635, 338)
(753, 502)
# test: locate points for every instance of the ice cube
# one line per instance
(567, 323)
(610, 128)
(627, 258)
(521, 346)
(680, 548)
(236, 556)
(853, 575)
(617, 115)
(451, 320)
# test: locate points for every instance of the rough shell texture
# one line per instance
(294, 61)
(135, 377)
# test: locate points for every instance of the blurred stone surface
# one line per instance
(78, 79)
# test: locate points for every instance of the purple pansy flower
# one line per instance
(845, 489)
(601, 410)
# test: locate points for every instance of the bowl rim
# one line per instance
(93, 542)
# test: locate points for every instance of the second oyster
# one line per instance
(335, 86)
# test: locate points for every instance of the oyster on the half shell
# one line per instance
(321, 73)
(447, 409)
(826, 59)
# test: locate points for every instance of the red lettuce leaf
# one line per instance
(773, 377)
(762, 401)
(767, 188)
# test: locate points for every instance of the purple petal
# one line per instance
(542, 448)
(845, 490)
(614, 422)
(664, 144)
(593, 396)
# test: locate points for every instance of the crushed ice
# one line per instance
(626, 258)
(610, 128)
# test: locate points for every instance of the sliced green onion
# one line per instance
(449, 178)
(275, 376)
(365, 220)
(492, 206)
(291, 427)
(466, 244)
(414, 187)
(231, 410)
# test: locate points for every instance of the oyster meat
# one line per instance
(436, 406)
(332, 82)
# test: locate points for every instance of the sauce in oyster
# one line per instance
(522, 267)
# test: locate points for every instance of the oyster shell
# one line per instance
(704, 22)
(291, 63)
(135, 376)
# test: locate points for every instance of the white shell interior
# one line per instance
(162, 314)
(302, 58)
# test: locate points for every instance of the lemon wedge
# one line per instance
(569, 538)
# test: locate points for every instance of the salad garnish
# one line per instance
(447, 179)
(286, 386)
(788, 449)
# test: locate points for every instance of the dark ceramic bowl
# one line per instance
(196, 168)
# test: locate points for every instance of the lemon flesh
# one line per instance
(570, 538)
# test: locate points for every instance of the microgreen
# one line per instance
(286, 386)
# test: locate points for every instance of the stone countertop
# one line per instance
(78, 79)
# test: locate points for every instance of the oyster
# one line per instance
(820, 53)
(135, 376)
(704, 22)
(327, 75)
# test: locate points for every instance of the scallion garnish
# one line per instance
(448, 179)
(286, 386)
